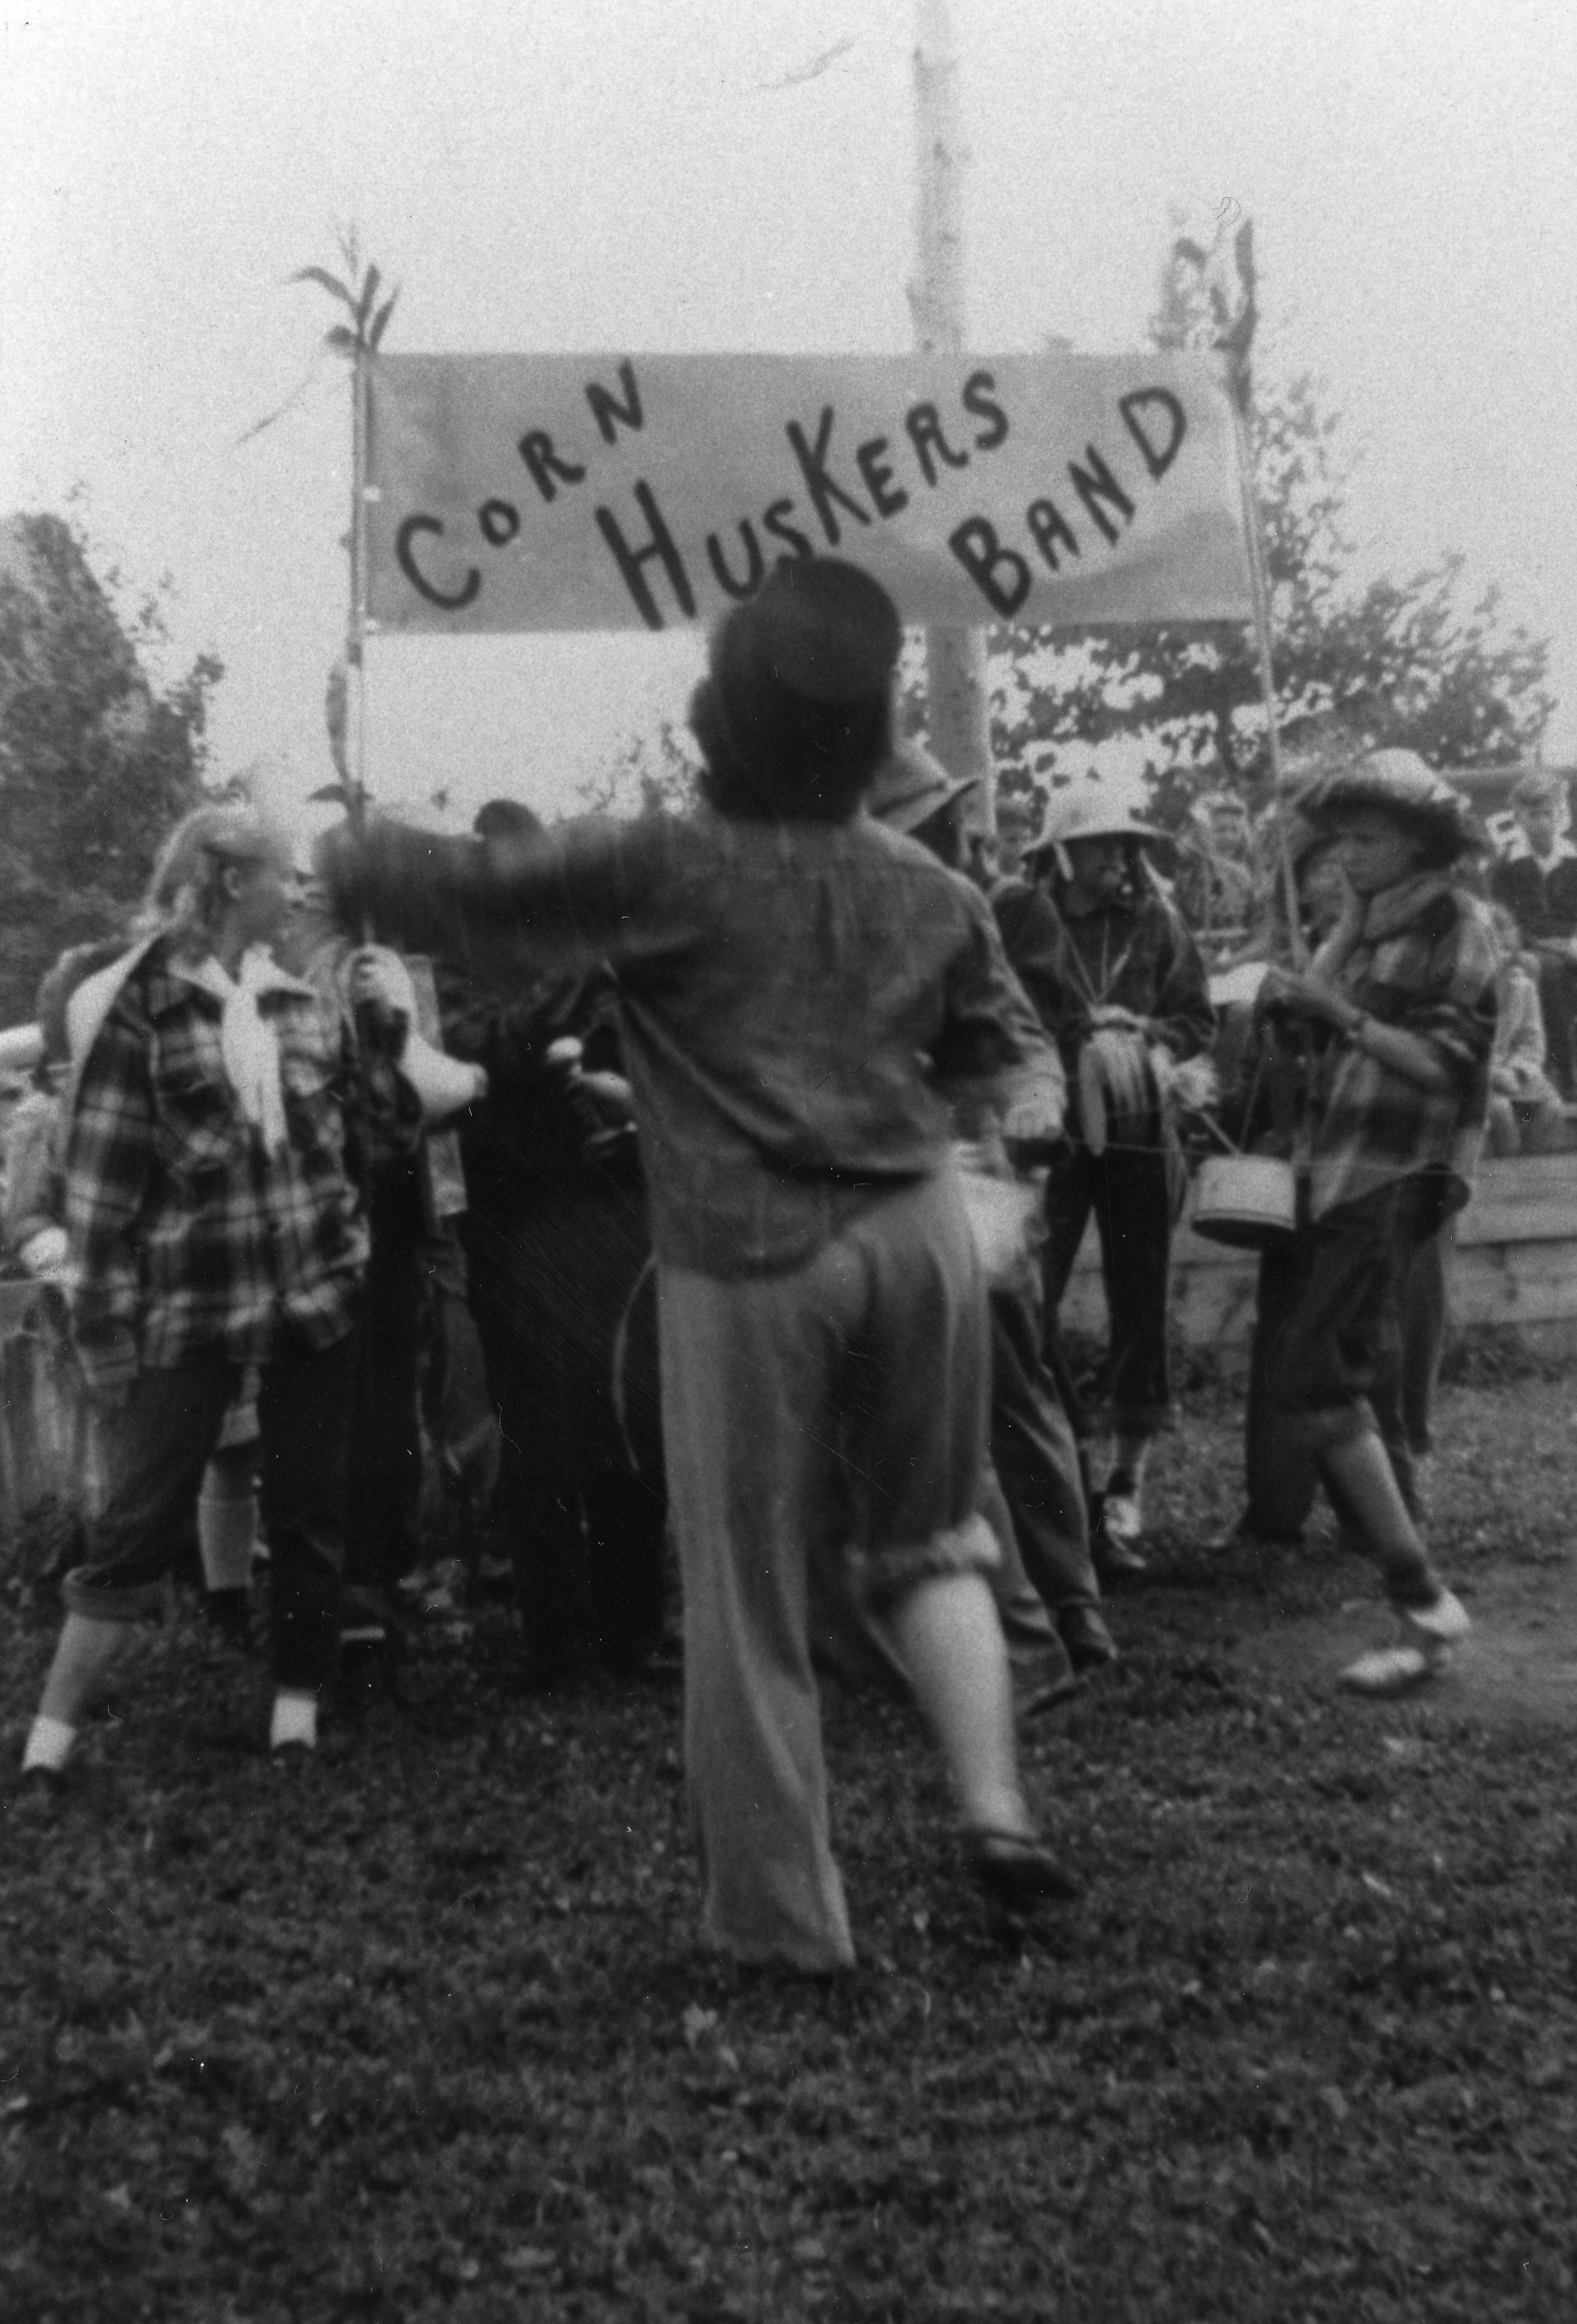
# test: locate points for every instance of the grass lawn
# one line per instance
(422, 2029)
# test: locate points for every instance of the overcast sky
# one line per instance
(591, 174)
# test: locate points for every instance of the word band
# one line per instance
(618, 492)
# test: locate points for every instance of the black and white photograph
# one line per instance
(787, 1162)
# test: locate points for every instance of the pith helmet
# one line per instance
(911, 785)
(1090, 810)
(1401, 782)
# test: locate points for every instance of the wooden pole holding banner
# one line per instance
(441, 1171)
(959, 713)
(355, 637)
(1260, 598)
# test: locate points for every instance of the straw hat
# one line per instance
(1401, 783)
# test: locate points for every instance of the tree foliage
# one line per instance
(649, 775)
(96, 760)
(1387, 662)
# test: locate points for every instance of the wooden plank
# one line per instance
(1513, 1178)
(1522, 1281)
(1514, 1283)
(1534, 1222)
(1522, 1198)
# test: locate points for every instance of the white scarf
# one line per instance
(247, 1042)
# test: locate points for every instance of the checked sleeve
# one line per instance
(108, 1155)
(1456, 1011)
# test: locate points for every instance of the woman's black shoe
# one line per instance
(1090, 1644)
(1017, 1873)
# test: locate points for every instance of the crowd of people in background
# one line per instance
(782, 1124)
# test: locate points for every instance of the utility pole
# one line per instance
(955, 658)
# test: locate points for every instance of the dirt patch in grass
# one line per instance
(422, 2029)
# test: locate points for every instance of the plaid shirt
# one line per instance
(801, 1004)
(1426, 963)
(188, 1242)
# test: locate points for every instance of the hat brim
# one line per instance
(1442, 825)
(907, 814)
(1048, 840)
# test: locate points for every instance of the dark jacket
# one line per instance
(1541, 899)
(1139, 957)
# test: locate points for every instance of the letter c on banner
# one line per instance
(452, 602)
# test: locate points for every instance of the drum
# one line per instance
(1119, 1098)
(1243, 1199)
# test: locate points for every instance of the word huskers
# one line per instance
(518, 493)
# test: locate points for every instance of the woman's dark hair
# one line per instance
(796, 715)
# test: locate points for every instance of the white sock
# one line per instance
(294, 1721)
(49, 1744)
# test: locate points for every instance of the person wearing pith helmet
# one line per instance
(1118, 983)
(1401, 998)
(1088, 810)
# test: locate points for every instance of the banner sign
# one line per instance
(597, 493)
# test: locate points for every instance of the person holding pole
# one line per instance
(802, 994)
(1278, 1081)
(1402, 997)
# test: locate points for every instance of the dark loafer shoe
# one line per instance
(1090, 1644)
(1017, 1873)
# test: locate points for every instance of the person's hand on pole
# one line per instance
(1299, 992)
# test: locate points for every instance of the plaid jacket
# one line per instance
(186, 1241)
(1425, 961)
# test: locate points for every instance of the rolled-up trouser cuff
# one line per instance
(882, 1575)
(139, 1601)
